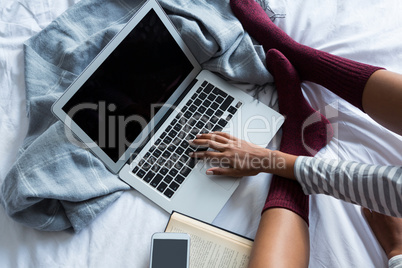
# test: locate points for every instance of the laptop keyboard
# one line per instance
(167, 163)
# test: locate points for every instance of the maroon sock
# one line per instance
(342, 76)
(297, 138)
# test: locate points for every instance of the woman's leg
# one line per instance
(382, 99)
(282, 240)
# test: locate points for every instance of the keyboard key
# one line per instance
(181, 135)
(171, 148)
(163, 135)
(192, 108)
(217, 128)
(166, 154)
(176, 141)
(179, 179)
(173, 172)
(177, 127)
(172, 133)
(206, 103)
(232, 110)
(209, 88)
(215, 106)
(149, 176)
(202, 109)
(222, 123)
(210, 112)
(168, 179)
(169, 164)
(167, 140)
(163, 171)
(135, 169)
(184, 158)
(141, 173)
(203, 96)
(184, 144)
(211, 97)
(146, 155)
(155, 168)
(169, 193)
(174, 186)
(187, 115)
(204, 83)
(178, 165)
(179, 150)
(185, 171)
(218, 91)
(239, 104)
(226, 103)
(219, 99)
(157, 179)
(218, 113)
(199, 125)
(157, 153)
(199, 89)
(162, 187)
(197, 102)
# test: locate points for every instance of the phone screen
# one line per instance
(169, 253)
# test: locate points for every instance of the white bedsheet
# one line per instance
(369, 31)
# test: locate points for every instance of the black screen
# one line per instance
(116, 102)
(169, 253)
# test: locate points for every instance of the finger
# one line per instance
(224, 171)
(208, 143)
(225, 135)
(206, 154)
(213, 137)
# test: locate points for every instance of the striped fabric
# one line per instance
(395, 262)
(376, 187)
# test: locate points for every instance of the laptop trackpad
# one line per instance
(223, 181)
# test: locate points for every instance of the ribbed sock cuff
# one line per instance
(287, 194)
(346, 78)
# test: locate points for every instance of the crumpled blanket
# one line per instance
(56, 185)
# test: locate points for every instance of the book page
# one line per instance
(212, 249)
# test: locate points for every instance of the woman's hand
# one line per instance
(234, 157)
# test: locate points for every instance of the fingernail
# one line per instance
(209, 172)
(191, 154)
(198, 135)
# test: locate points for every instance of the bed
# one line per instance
(367, 31)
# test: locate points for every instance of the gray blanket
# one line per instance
(54, 184)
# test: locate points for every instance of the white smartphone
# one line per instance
(170, 250)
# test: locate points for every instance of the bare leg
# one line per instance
(388, 231)
(282, 240)
(382, 99)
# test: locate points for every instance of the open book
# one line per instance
(211, 246)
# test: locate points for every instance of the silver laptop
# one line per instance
(139, 102)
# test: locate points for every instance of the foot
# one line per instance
(305, 128)
(258, 24)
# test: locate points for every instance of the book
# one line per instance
(211, 246)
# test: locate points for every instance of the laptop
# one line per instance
(142, 98)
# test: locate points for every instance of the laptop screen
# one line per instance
(118, 100)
